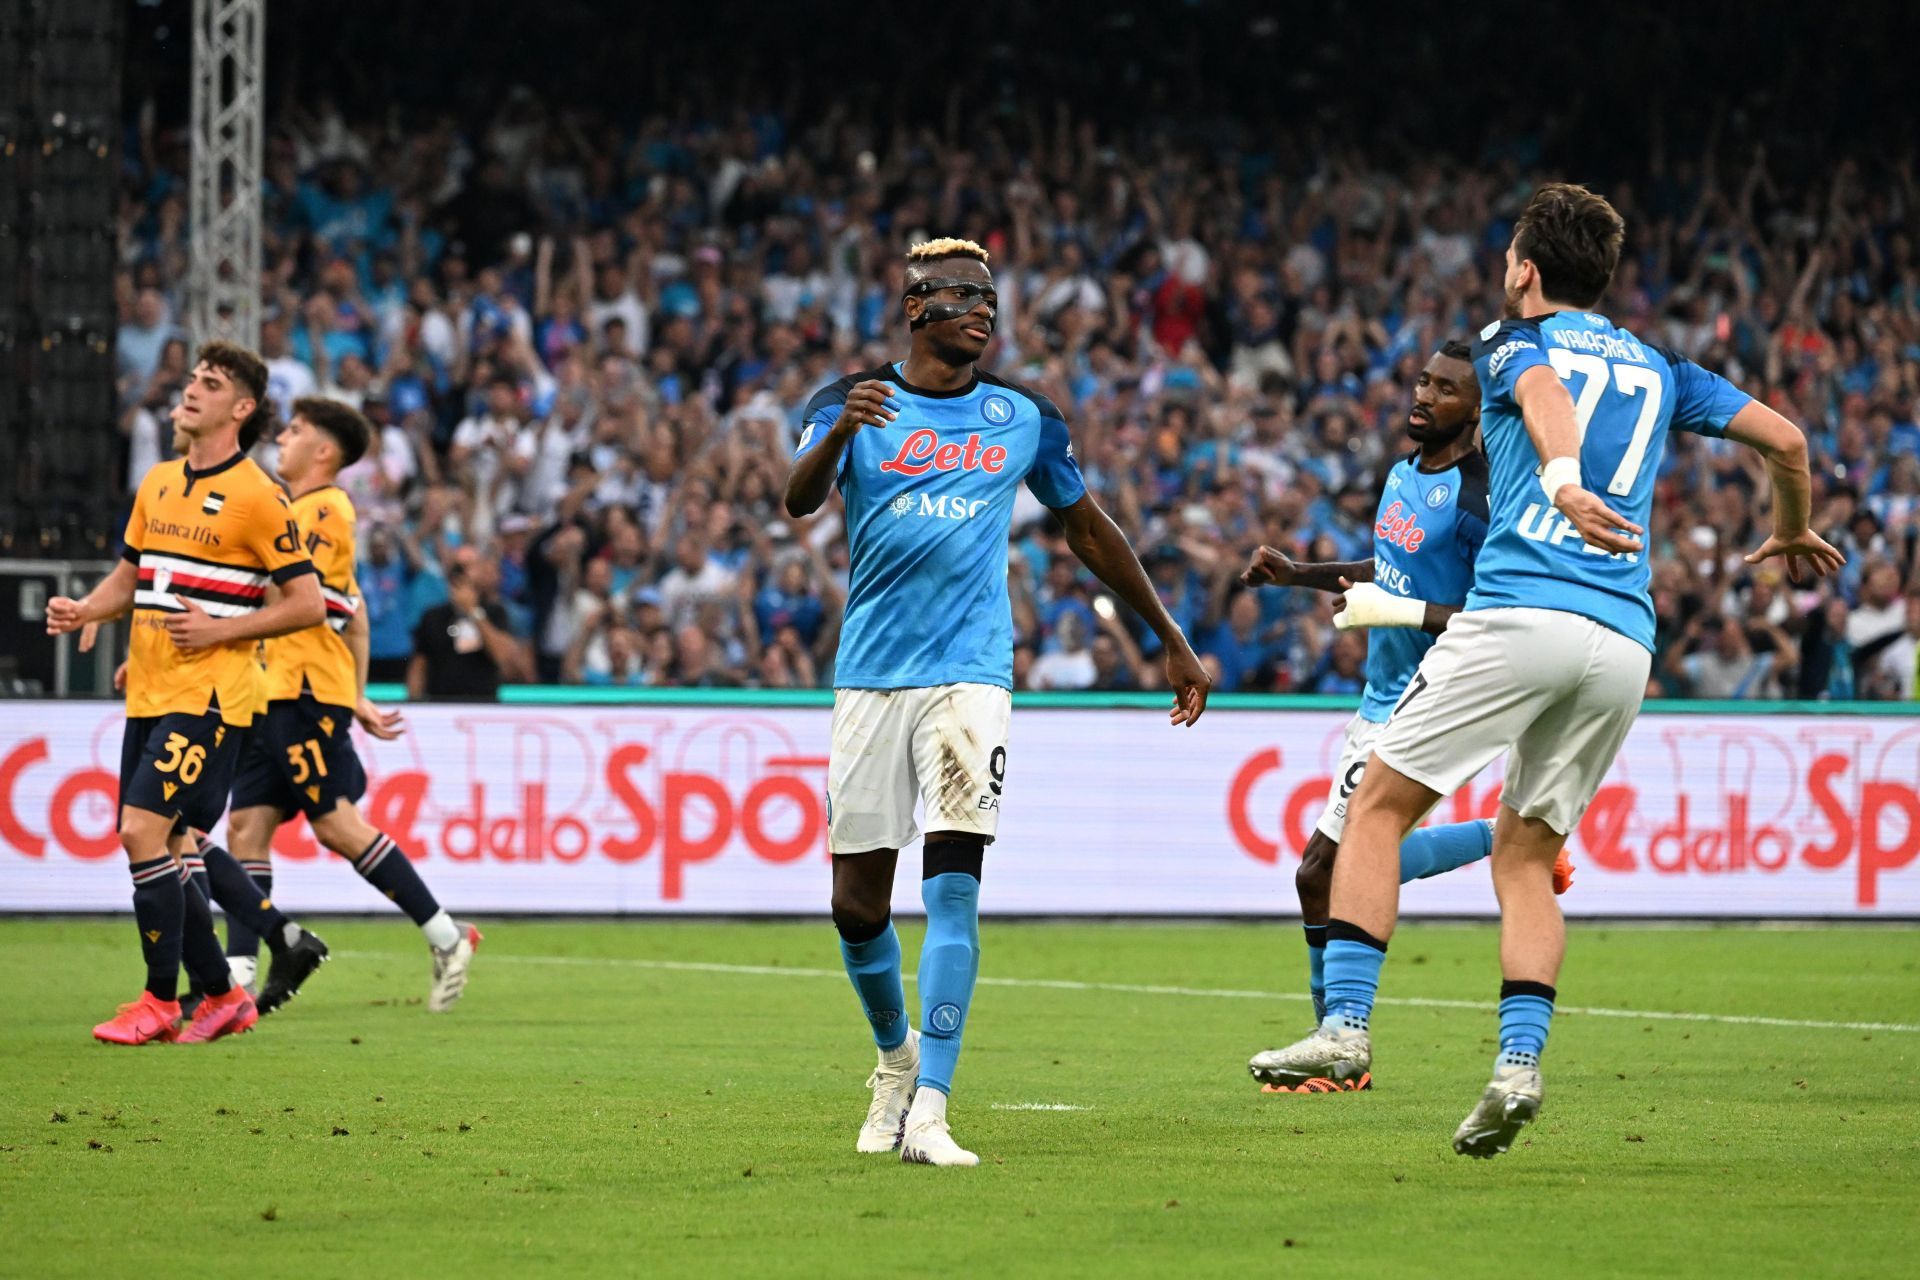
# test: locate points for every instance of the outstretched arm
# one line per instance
(1272, 568)
(1098, 542)
(1784, 449)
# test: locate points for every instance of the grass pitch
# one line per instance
(589, 1111)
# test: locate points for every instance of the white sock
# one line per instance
(928, 1104)
(441, 932)
(901, 1054)
(241, 970)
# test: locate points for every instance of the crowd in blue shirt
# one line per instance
(588, 347)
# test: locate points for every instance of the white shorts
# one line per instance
(945, 746)
(1557, 689)
(1346, 776)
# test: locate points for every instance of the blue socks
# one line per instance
(1317, 967)
(1526, 1014)
(1429, 851)
(873, 962)
(949, 962)
(1353, 962)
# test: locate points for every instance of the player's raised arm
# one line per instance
(1547, 408)
(868, 404)
(1273, 568)
(1100, 545)
(1784, 447)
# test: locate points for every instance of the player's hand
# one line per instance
(463, 596)
(1190, 683)
(869, 404)
(194, 630)
(120, 678)
(89, 634)
(63, 615)
(381, 723)
(1808, 547)
(1270, 568)
(1598, 523)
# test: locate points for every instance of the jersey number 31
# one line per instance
(1628, 380)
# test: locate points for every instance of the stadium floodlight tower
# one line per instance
(229, 70)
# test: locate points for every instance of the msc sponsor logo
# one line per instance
(1507, 351)
(943, 506)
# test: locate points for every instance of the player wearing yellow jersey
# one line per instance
(303, 760)
(208, 534)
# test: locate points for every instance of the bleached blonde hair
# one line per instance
(946, 247)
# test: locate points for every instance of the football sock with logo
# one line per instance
(157, 908)
(1526, 1014)
(1354, 957)
(1428, 851)
(872, 955)
(950, 956)
(249, 910)
(385, 866)
(199, 944)
(1317, 967)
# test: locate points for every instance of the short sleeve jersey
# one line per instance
(1627, 396)
(215, 539)
(1427, 534)
(929, 501)
(317, 660)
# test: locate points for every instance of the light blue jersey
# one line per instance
(929, 501)
(1426, 537)
(1627, 395)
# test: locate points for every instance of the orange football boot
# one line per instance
(1562, 873)
(1320, 1084)
(224, 1015)
(141, 1021)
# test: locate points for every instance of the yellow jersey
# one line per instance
(216, 538)
(317, 659)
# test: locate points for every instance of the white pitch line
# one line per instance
(1215, 993)
(1036, 1106)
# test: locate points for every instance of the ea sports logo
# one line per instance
(997, 409)
(1438, 495)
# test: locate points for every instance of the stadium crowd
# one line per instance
(587, 350)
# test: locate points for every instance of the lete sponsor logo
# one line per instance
(922, 452)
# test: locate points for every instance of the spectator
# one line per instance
(462, 649)
(1733, 663)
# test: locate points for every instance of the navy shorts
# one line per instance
(300, 756)
(180, 765)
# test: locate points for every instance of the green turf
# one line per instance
(575, 1117)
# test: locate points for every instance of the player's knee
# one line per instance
(859, 914)
(1313, 881)
(953, 852)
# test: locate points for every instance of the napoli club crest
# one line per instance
(997, 409)
(1438, 495)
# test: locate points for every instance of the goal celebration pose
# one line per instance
(1549, 661)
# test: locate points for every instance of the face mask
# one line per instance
(938, 311)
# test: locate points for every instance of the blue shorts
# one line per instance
(300, 756)
(179, 765)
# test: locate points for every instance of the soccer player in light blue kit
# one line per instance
(928, 454)
(1549, 661)
(1427, 534)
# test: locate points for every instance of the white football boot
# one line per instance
(1511, 1100)
(450, 969)
(1344, 1056)
(892, 1085)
